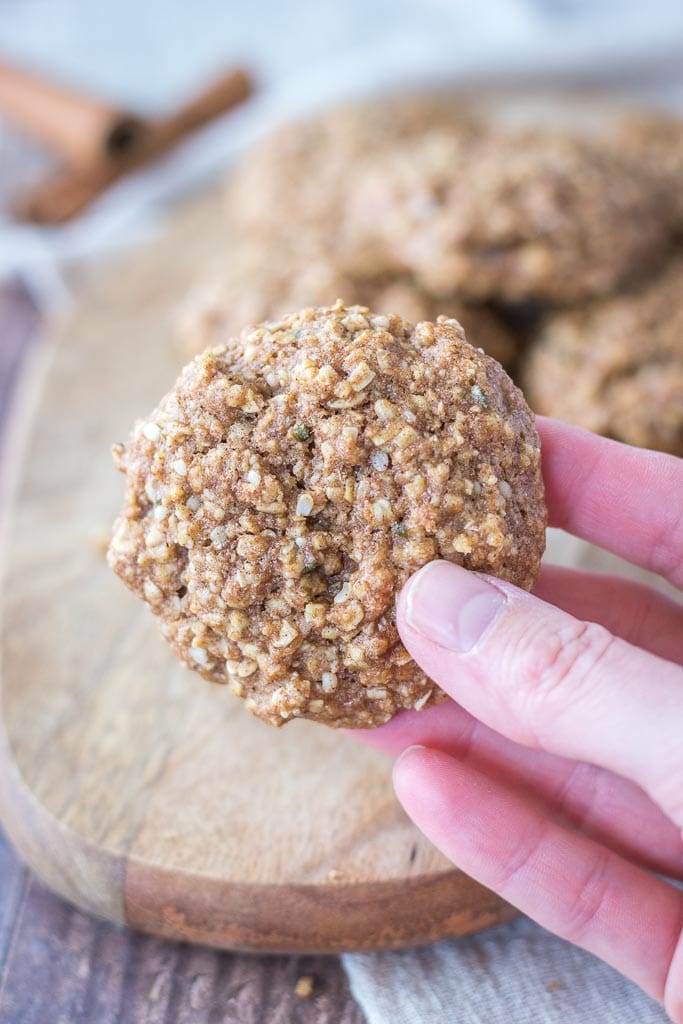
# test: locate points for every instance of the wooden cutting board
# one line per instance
(132, 787)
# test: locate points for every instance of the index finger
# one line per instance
(627, 500)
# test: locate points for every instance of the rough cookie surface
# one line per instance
(302, 173)
(655, 141)
(514, 215)
(293, 244)
(616, 367)
(285, 489)
(249, 290)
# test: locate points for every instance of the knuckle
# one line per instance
(666, 547)
(646, 626)
(590, 899)
(579, 796)
(559, 664)
(521, 863)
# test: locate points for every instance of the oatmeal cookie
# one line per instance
(255, 286)
(514, 216)
(282, 493)
(293, 185)
(616, 367)
(655, 141)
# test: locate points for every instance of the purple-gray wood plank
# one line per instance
(59, 966)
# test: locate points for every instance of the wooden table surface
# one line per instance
(59, 966)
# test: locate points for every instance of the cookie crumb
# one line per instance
(304, 987)
(99, 542)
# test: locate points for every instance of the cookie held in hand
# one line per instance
(294, 478)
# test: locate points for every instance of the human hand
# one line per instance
(557, 777)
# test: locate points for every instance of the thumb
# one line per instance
(548, 680)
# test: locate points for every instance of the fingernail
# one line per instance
(451, 606)
(413, 746)
(406, 753)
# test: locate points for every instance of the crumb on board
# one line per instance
(304, 987)
(99, 541)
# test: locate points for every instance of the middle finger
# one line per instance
(597, 802)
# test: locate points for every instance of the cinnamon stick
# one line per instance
(97, 141)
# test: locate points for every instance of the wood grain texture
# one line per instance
(117, 976)
(133, 788)
(57, 964)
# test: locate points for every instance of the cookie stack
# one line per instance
(556, 252)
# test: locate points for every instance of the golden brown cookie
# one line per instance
(293, 185)
(655, 141)
(282, 493)
(259, 285)
(616, 367)
(513, 216)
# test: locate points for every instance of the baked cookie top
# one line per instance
(514, 215)
(616, 367)
(252, 286)
(285, 489)
(655, 142)
(293, 185)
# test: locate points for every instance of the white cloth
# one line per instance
(515, 974)
(307, 53)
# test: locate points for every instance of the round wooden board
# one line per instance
(131, 786)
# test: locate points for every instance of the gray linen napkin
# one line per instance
(515, 974)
